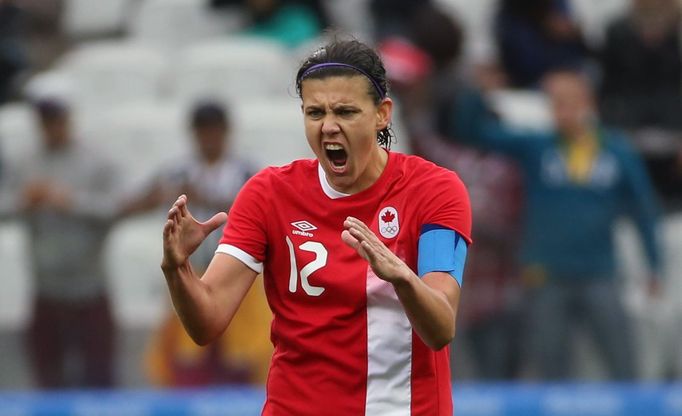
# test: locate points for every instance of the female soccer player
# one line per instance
(362, 251)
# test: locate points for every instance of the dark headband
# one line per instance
(317, 67)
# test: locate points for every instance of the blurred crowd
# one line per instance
(559, 134)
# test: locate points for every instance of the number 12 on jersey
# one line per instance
(319, 262)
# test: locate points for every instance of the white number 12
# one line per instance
(319, 262)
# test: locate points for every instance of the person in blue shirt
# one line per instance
(580, 178)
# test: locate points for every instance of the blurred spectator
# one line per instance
(642, 67)
(13, 57)
(641, 90)
(421, 61)
(290, 22)
(394, 17)
(534, 37)
(579, 180)
(43, 27)
(66, 195)
(211, 178)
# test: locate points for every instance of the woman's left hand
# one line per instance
(384, 263)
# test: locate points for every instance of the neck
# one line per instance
(57, 146)
(211, 158)
(578, 132)
(374, 169)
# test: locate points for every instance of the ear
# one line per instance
(384, 113)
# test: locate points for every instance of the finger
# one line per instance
(352, 222)
(370, 252)
(357, 233)
(367, 233)
(350, 241)
(353, 243)
(168, 228)
(215, 221)
(173, 213)
(181, 203)
(364, 235)
(358, 223)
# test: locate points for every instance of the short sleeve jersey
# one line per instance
(342, 342)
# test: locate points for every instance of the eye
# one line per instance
(314, 113)
(346, 112)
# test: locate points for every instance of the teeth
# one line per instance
(331, 146)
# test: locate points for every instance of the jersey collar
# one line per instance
(326, 187)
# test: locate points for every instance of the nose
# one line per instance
(330, 126)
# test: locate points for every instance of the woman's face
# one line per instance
(571, 101)
(341, 125)
(210, 140)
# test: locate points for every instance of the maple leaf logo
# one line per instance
(387, 217)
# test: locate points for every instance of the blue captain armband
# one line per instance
(441, 250)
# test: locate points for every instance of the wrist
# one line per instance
(170, 269)
(403, 280)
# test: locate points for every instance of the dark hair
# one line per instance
(355, 58)
(208, 113)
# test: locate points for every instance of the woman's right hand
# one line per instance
(182, 233)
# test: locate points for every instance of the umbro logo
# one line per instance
(303, 228)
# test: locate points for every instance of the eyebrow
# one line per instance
(334, 107)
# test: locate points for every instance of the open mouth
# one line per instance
(337, 156)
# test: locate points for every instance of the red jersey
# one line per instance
(343, 344)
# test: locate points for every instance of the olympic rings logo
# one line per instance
(389, 229)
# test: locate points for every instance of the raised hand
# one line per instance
(182, 233)
(384, 263)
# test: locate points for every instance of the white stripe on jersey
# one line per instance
(241, 255)
(389, 351)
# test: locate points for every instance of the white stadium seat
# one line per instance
(176, 23)
(232, 69)
(82, 18)
(594, 17)
(269, 131)
(140, 138)
(114, 73)
(133, 255)
(476, 18)
(16, 282)
(523, 109)
(659, 332)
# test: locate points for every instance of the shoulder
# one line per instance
(295, 168)
(438, 194)
(425, 174)
(296, 171)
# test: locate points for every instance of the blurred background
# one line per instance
(110, 109)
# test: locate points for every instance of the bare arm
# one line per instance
(430, 303)
(205, 305)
